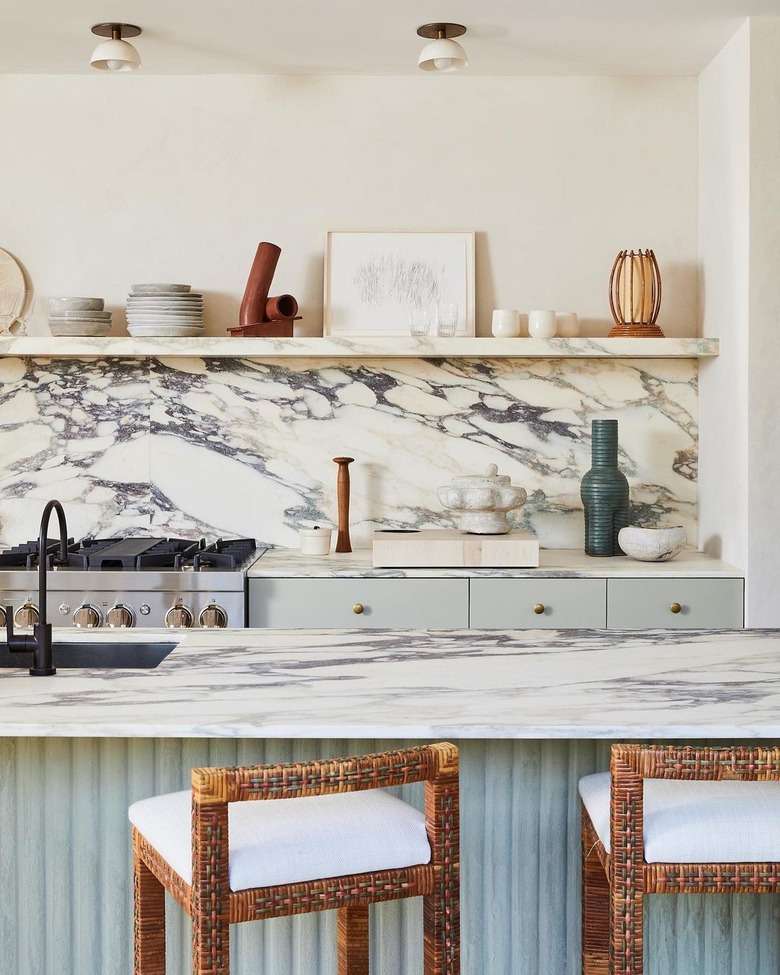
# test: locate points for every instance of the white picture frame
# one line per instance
(373, 277)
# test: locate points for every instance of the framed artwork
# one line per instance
(373, 280)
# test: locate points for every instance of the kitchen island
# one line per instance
(531, 711)
(417, 684)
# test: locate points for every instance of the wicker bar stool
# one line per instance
(338, 841)
(704, 821)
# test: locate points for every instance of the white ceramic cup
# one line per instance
(506, 323)
(568, 324)
(315, 541)
(541, 324)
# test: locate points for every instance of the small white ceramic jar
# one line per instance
(506, 323)
(315, 541)
(568, 325)
(541, 324)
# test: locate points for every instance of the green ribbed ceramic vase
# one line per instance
(604, 492)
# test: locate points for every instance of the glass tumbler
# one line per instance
(419, 319)
(447, 319)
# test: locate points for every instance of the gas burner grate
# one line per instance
(224, 554)
(25, 556)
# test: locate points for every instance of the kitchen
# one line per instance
(170, 176)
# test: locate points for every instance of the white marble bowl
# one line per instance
(156, 289)
(81, 329)
(652, 544)
(57, 305)
(80, 315)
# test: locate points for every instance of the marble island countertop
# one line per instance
(553, 563)
(416, 684)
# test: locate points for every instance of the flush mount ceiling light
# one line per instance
(116, 54)
(442, 54)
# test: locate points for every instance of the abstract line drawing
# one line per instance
(392, 277)
(373, 279)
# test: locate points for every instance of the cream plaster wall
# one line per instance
(739, 105)
(724, 163)
(110, 180)
(763, 402)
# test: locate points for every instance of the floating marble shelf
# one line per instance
(379, 347)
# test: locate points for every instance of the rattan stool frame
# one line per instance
(212, 906)
(614, 884)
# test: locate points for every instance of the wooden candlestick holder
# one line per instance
(342, 488)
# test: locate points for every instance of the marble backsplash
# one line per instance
(245, 447)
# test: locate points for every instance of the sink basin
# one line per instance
(91, 654)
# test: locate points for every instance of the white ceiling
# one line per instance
(368, 37)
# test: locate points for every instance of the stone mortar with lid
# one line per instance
(483, 500)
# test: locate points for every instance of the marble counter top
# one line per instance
(418, 684)
(553, 563)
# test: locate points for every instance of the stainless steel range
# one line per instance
(124, 582)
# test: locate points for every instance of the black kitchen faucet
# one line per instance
(40, 642)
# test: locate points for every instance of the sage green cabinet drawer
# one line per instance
(677, 604)
(538, 603)
(392, 603)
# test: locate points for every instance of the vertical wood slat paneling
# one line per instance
(65, 876)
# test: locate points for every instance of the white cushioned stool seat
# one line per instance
(287, 841)
(697, 821)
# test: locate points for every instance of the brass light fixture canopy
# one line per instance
(115, 54)
(442, 53)
(439, 31)
(116, 31)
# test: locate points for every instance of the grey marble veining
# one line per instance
(245, 447)
(420, 684)
(78, 431)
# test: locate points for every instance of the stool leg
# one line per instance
(210, 900)
(353, 941)
(148, 920)
(626, 908)
(441, 908)
(595, 908)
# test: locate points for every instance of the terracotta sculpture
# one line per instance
(252, 310)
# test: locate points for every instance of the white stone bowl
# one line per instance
(652, 544)
(80, 329)
(76, 304)
(161, 288)
(80, 315)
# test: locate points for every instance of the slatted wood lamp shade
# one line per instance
(635, 295)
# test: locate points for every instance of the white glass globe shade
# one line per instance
(115, 55)
(442, 55)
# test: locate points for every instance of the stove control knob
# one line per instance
(179, 617)
(87, 617)
(213, 617)
(26, 615)
(120, 617)
(2, 616)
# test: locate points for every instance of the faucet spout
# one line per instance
(40, 642)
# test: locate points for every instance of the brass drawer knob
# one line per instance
(675, 608)
(357, 608)
(539, 609)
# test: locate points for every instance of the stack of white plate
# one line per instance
(164, 309)
(78, 316)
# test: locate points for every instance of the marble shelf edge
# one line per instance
(382, 347)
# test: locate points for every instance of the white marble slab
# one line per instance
(553, 564)
(419, 684)
(193, 446)
(334, 346)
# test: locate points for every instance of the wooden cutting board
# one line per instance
(450, 548)
(12, 289)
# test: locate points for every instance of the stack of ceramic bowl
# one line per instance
(164, 309)
(78, 316)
